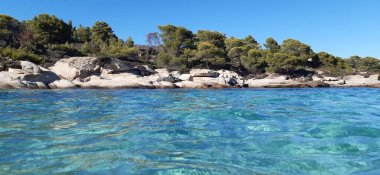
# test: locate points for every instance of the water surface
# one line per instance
(232, 131)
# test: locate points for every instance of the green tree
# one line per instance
(251, 42)
(233, 42)
(333, 66)
(215, 38)
(102, 32)
(163, 60)
(82, 34)
(176, 39)
(210, 54)
(48, 29)
(272, 45)
(117, 48)
(130, 42)
(354, 62)
(370, 64)
(10, 30)
(296, 48)
(254, 61)
(284, 63)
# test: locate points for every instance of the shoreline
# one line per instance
(95, 73)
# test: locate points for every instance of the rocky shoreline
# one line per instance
(108, 73)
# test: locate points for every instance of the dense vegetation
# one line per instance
(46, 38)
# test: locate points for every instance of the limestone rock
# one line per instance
(30, 68)
(203, 73)
(62, 84)
(191, 84)
(16, 71)
(115, 65)
(185, 77)
(11, 80)
(331, 79)
(35, 85)
(45, 77)
(76, 67)
(169, 78)
(210, 81)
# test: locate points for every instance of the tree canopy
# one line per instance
(46, 38)
(49, 29)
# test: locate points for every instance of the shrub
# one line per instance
(20, 54)
(163, 60)
(67, 49)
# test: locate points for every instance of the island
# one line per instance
(49, 53)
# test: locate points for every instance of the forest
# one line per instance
(47, 38)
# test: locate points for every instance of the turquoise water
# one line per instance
(232, 131)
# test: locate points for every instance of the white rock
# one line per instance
(316, 78)
(190, 84)
(210, 81)
(76, 67)
(162, 72)
(30, 68)
(331, 79)
(16, 71)
(62, 84)
(203, 73)
(185, 77)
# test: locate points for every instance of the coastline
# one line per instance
(100, 73)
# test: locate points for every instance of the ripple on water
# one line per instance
(232, 131)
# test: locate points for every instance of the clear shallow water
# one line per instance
(233, 131)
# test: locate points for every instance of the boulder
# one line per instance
(30, 76)
(232, 82)
(114, 81)
(209, 81)
(360, 80)
(30, 68)
(228, 74)
(116, 65)
(35, 85)
(203, 73)
(45, 77)
(330, 79)
(272, 81)
(76, 67)
(169, 78)
(191, 84)
(15, 71)
(316, 78)
(162, 72)
(10, 80)
(185, 77)
(61, 84)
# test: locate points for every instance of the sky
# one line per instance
(340, 27)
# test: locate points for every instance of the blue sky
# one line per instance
(340, 27)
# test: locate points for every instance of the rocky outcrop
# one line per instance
(203, 73)
(76, 67)
(29, 76)
(356, 81)
(11, 80)
(91, 72)
(191, 85)
(61, 84)
(30, 68)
